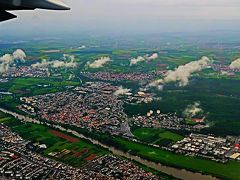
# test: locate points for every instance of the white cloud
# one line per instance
(134, 61)
(192, 110)
(153, 56)
(139, 59)
(19, 54)
(8, 59)
(183, 72)
(68, 61)
(157, 83)
(121, 91)
(235, 64)
(99, 62)
(43, 64)
(226, 73)
(82, 47)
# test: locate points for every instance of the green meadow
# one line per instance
(156, 136)
(41, 134)
(225, 171)
(34, 86)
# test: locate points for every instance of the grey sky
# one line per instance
(132, 15)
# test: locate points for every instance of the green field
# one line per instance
(219, 99)
(41, 134)
(218, 95)
(30, 87)
(228, 171)
(156, 136)
(34, 86)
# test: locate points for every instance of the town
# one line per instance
(108, 76)
(92, 106)
(156, 119)
(18, 162)
(215, 148)
(26, 71)
(95, 106)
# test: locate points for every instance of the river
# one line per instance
(178, 173)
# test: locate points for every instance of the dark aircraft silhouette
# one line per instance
(9, 5)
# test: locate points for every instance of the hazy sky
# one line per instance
(125, 16)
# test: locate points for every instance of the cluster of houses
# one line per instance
(116, 168)
(156, 119)
(92, 106)
(110, 76)
(215, 148)
(17, 161)
(26, 71)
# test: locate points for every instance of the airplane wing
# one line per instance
(4, 15)
(9, 5)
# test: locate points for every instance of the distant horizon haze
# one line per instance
(128, 17)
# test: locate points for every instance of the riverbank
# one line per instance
(178, 173)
